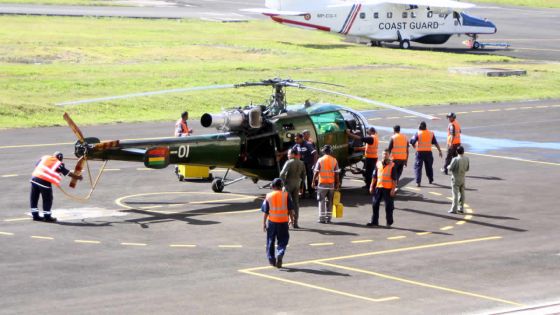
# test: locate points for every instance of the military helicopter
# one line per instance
(248, 138)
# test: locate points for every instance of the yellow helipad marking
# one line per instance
(542, 106)
(134, 244)
(321, 244)
(527, 107)
(511, 108)
(445, 228)
(460, 222)
(42, 237)
(469, 210)
(423, 233)
(87, 242)
(422, 284)
(450, 198)
(7, 233)
(145, 169)
(9, 175)
(182, 245)
(398, 237)
(412, 188)
(222, 200)
(435, 193)
(477, 111)
(16, 219)
(230, 246)
(494, 110)
(468, 217)
(514, 159)
(362, 241)
(303, 284)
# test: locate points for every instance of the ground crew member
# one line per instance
(453, 140)
(308, 154)
(47, 171)
(370, 153)
(425, 139)
(458, 167)
(307, 137)
(278, 209)
(181, 128)
(327, 177)
(383, 187)
(398, 146)
(293, 174)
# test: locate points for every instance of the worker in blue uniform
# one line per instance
(278, 212)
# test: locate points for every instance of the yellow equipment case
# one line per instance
(193, 172)
(338, 208)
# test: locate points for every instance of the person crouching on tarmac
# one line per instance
(47, 172)
(279, 210)
(383, 186)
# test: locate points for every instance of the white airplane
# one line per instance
(423, 21)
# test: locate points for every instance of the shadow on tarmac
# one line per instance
(454, 218)
(323, 232)
(321, 272)
(315, 46)
(363, 226)
(485, 177)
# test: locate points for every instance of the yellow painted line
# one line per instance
(422, 284)
(445, 228)
(150, 207)
(111, 169)
(362, 241)
(7, 233)
(87, 242)
(398, 237)
(394, 117)
(307, 285)
(412, 188)
(9, 175)
(461, 222)
(182, 245)
(423, 233)
(221, 200)
(321, 244)
(469, 210)
(494, 110)
(435, 193)
(145, 169)
(511, 108)
(42, 237)
(542, 106)
(477, 111)
(134, 244)
(230, 246)
(515, 159)
(468, 217)
(16, 219)
(450, 198)
(527, 107)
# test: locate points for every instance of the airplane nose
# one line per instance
(469, 20)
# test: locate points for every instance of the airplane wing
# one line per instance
(427, 3)
(273, 12)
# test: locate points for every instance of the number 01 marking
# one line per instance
(183, 152)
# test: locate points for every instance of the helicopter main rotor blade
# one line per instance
(317, 82)
(74, 127)
(117, 97)
(365, 100)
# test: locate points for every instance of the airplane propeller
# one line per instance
(277, 83)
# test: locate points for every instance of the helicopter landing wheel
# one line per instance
(218, 185)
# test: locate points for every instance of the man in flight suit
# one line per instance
(293, 174)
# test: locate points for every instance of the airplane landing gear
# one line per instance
(404, 44)
(474, 43)
(375, 43)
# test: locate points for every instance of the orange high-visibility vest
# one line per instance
(184, 128)
(424, 141)
(278, 206)
(371, 150)
(400, 144)
(454, 139)
(326, 173)
(46, 170)
(384, 179)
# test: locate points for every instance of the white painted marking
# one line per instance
(398, 237)
(182, 245)
(42, 237)
(87, 242)
(230, 246)
(445, 228)
(514, 159)
(435, 193)
(9, 175)
(7, 233)
(468, 217)
(145, 169)
(321, 244)
(85, 213)
(461, 222)
(362, 241)
(423, 233)
(134, 244)
(16, 219)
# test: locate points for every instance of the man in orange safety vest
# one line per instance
(383, 187)
(278, 212)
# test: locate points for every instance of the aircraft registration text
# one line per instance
(412, 25)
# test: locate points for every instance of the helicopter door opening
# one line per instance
(331, 129)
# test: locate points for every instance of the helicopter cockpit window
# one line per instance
(328, 122)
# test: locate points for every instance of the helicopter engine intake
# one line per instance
(233, 119)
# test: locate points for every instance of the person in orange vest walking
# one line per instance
(453, 140)
(425, 139)
(48, 171)
(327, 177)
(181, 127)
(370, 152)
(398, 146)
(278, 213)
(383, 187)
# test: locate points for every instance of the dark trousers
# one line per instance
(369, 165)
(309, 174)
(385, 195)
(47, 195)
(276, 231)
(426, 158)
(451, 153)
(399, 166)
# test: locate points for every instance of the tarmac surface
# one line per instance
(533, 33)
(147, 243)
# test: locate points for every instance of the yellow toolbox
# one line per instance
(191, 171)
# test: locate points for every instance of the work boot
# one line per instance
(272, 262)
(279, 261)
(49, 219)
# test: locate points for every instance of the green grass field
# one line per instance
(45, 60)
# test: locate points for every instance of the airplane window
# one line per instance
(404, 15)
(362, 15)
(413, 15)
(376, 15)
(442, 15)
(430, 14)
(389, 15)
